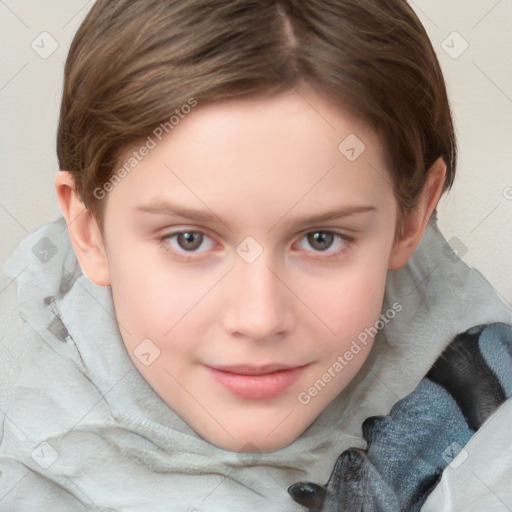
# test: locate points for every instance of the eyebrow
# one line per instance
(164, 207)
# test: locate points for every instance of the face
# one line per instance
(246, 252)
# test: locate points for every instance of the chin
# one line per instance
(251, 438)
(254, 444)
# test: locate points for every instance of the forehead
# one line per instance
(250, 154)
(279, 121)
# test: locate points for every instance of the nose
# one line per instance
(259, 306)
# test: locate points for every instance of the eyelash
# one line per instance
(324, 255)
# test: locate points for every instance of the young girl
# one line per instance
(248, 270)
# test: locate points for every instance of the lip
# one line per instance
(256, 382)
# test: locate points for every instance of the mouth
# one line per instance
(256, 382)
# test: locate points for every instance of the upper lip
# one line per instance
(245, 369)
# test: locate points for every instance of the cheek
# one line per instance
(149, 296)
(364, 301)
(349, 300)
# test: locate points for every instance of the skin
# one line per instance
(262, 167)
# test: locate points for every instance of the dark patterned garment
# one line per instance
(408, 449)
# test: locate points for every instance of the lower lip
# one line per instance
(257, 387)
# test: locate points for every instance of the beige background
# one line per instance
(476, 216)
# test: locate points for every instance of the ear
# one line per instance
(417, 219)
(83, 230)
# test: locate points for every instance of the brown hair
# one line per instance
(133, 63)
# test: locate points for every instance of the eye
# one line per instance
(325, 242)
(184, 242)
(188, 242)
